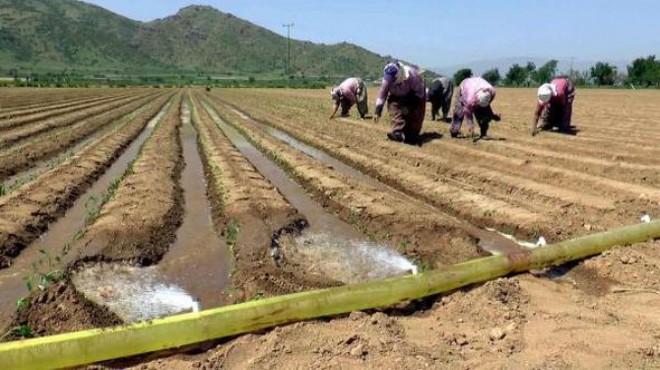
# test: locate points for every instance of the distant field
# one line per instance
(105, 174)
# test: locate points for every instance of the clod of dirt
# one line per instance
(359, 350)
(496, 334)
(60, 309)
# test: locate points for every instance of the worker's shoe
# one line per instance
(455, 134)
(396, 136)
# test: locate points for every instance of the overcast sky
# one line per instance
(437, 33)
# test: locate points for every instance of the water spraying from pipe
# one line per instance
(347, 260)
(133, 293)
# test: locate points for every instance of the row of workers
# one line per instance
(404, 92)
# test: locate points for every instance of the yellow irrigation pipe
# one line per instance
(79, 348)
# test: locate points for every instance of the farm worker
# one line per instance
(474, 98)
(403, 89)
(348, 93)
(440, 94)
(554, 106)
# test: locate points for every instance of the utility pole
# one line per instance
(288, 46)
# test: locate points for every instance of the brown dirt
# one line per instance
(140, 222)
(410, 227)
(26, 212)
(541, 190)
(28, 101)
(10, 126)
(520, 322)
(245, 199)
(60, 309)
(136, 226)
(603, 312)
(47, 144)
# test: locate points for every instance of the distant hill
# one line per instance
(503, 64)
(57, 34)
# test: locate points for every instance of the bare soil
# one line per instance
(603, 312)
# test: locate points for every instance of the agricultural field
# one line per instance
(114, 198)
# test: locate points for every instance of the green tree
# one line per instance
(603, 73)
(492, 76)
(645, 71)
(461, 75)
(546, 72)
(516, 75)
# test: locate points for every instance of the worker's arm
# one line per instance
(537, 114)
(334, 110)
(382, 96)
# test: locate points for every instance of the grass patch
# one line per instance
(39, 279)
(231, 233)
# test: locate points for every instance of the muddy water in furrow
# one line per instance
(489, 241)
(51, 244)
(199, 260)
(329, 246)
(42, 166)
(317, 217)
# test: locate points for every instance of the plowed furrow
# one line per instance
(139, 223)
(26, 213)
(403, 174)
(17, 134)
(243, 197)
(44, 146)
(8, 127)
(371, 209)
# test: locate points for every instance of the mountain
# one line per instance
(57, 34)
(503, 64)
(65, 33)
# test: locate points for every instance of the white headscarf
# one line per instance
(402, 75)
(546, 92)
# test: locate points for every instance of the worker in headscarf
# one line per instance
(475, 96)
(350, 92)
(403, 90)
(554, 106)
(440, 94)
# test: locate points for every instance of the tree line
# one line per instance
(643, 72)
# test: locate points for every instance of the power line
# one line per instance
(288, 47)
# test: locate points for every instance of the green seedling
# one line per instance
(22, 303)
(231, 233)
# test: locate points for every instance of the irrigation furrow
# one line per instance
(18, 134)
(8, 127)
(45, 146)
(470, 205)
(138, 224)
(250, 212)
(541, 188)
(7, 114)
(198, 261)
(27, 212)
(25, 99)
(381, 213)
(50, 252)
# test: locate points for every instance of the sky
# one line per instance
(437, 33)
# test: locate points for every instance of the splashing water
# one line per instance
(541, 242)
(348, 261)
(132, 293)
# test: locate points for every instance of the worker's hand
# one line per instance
(331, 117)
(496, 117)
(376, 119)
(534, 128)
